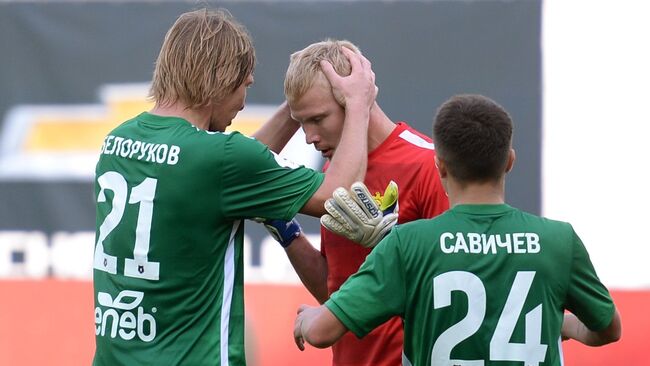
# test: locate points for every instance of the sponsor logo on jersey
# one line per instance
(122, 317)
(366, 201)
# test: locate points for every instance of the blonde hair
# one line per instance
(206, 55)
(304, 66)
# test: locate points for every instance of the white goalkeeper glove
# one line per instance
(358, 216)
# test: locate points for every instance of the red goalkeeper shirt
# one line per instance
(407, 157)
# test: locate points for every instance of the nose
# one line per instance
(311, 137)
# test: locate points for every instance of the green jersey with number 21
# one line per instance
(477, 285)
(168, 274)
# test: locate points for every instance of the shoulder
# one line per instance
(419, 227)
(551, 223)
(559, 231)
(242, 143)
(412, 137)
(220, 146)
(405, 141)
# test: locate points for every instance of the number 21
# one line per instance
(138, 266)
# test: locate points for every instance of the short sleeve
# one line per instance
(375, 293)
(259, 183)
(587, 297)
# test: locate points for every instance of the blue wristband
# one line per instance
(284, 232)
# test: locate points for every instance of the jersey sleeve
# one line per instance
(587, 297)
(259, 183)
(375, 293)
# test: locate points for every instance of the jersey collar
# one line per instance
(482, 209)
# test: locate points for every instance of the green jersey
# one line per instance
(168, 265)
(477, 285)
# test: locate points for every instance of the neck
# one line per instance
(476, 193)
(199, 117)
(379, 127)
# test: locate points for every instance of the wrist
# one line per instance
(360, 105)
(286, 242)
(284, 232)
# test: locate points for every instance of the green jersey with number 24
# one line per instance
(477, 285)
(168, 275)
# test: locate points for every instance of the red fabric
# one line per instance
(421, 195)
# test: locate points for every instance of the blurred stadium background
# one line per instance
(574, 75)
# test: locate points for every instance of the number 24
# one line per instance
(531, 352)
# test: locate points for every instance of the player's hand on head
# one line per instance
(358, 87)
(283, 231)
(358, 216)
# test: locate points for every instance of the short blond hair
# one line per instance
(304, 66)
(206, 55)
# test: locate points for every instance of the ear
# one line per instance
(511, 160)
(442, 167)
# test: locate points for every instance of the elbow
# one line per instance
(612, 337)
(612, 333)
(616, 337)
(605, 340)
(615, 328)
(322, 295)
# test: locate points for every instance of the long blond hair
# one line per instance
(205, 56)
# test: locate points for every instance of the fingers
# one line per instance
(352, 206)
(297, 328)
(360, 62)
(297, 338)
(339, 220)
(358, 87)
(365, 199)
(302, 308)
(328, 70)
(365, 64)
(356, 60)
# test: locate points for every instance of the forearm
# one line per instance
(278, 130)
(356, 93)
(321, 328)
(573, 328)
(349, 162)
(310, 266)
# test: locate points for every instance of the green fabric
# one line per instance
(186, 191)
(451, 285)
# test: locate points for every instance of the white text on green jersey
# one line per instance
(475, 243)
(140, 150)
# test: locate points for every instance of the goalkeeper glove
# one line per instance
(356, 215)
(284, 232)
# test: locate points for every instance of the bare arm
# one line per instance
(278, 130)
(318, 326)
(573, 328)
(310, 266)
(348, 164)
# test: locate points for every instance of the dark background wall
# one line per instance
(422, 53)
